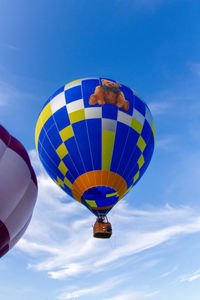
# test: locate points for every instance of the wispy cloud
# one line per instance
(61, 230)
(191, 277)
(159, 108)
(168, 273)
(108, 286)
(148, 240)
(174, 103)
(136, 295)
(9, 93)
(11, 47)
(104, 286)
(166, 143)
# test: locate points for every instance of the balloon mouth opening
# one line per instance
(100, 199)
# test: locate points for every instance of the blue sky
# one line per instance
(152, 46)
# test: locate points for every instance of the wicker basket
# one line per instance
(102, 230)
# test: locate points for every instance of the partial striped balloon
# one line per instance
(18, 190)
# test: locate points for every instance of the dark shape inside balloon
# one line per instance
(18, 190)
(95, 138)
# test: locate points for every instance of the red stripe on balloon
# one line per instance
(16, 146)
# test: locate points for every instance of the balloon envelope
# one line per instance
(95, 138)
(18, 190)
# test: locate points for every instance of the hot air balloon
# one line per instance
(95, 138)
(18, 190)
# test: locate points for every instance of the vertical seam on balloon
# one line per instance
(18, 203)
(113, 144)
(46, 134)
(134, 152)
(25, 188)
(101, 140)
(4, 151)
(112, 153)
(124, 146)
(119, 162)
(56, 167)
(79, 149)
(126, 139)
(88, 136)
(65, 146)
(20, 233)
(48, 157)
(136, 145)
(137, 161)
(24, 191)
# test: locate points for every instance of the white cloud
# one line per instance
(70, 270)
